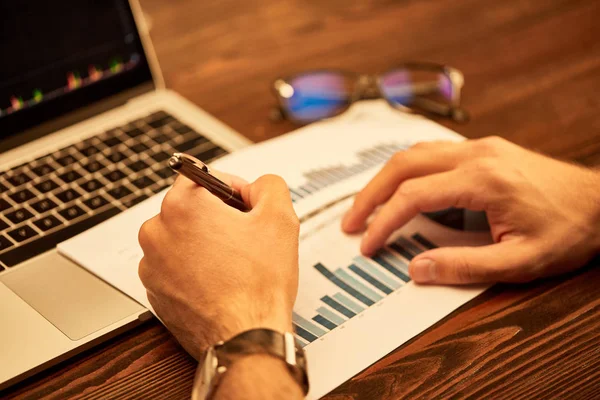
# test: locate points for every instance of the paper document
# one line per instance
(350, 310)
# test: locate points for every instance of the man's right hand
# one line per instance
(544, 214)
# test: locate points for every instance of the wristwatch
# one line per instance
(220, 357)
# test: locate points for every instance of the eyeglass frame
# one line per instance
(363, 83)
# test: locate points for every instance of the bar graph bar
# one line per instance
(325, 322)
(343, 285)
(307, 325)
(425, 242)
(381, 261)
(377, 273)
(409, 245)
(346, 277)
(371, 279)
(330, 315)
(348, 303)
(395, 261)
(318, 179)
(303, 333)
(338, 307)
(402, 251)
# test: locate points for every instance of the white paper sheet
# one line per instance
(322, 164)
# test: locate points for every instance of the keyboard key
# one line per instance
(47, 223)
(165, 172)
(72, 212)
(3, 225)
(65, 160)
(119, 192)
(160, 156)
(4, 243)
(143, 182)
(93, 166)
(18, 216)
(89, 150)
(68, 195)
(161, 120)
(137, 166)
(96, 202)
(114, 176)
(161, 138)
(91, 186)
(43, 205)
(70, 176)
(4, 205)
(132, 202)
(18, 179)
(46, 186)
(210, 154)
(139, 148)
(156, 115)
(23, 233)
(182, 129)
(133, 132)
(190, 144)
(115, 156)
(22, 196)
(22, 253)
(111, 141)
(42, 170)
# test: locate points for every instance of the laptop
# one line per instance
(86, 128)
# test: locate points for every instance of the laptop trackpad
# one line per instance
(72, 299)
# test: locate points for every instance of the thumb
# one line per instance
(267, 191)
(508, 261)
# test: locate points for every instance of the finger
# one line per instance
(232, 180)
(267, 191)
(426, 194)
(423, 159)
(508, 261)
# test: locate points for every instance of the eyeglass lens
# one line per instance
(317, 95)
(415, 88)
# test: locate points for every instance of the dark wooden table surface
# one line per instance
(532, 72)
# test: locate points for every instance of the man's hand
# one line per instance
(544, 214)
(212, 271)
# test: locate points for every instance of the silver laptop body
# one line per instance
(72, 156)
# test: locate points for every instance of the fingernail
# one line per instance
(423, 271)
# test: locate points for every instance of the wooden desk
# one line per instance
(532, 75)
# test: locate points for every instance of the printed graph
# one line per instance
(321, 178)
(360, 285)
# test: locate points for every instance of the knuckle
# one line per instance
(399, 158)
(408, 188)
(490, 145)
(171, 203)
(143, 272)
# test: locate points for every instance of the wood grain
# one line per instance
(532, 75)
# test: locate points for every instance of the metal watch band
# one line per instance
(220, 357)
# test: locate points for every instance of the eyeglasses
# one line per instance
(422, 88)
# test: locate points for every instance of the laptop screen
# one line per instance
(58, 56)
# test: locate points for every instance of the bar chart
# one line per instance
(359, 285)
(320, 178)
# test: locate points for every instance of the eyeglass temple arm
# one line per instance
(456, 113)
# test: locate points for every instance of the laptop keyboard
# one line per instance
(59, 195)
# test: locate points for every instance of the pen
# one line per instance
(198, 172)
